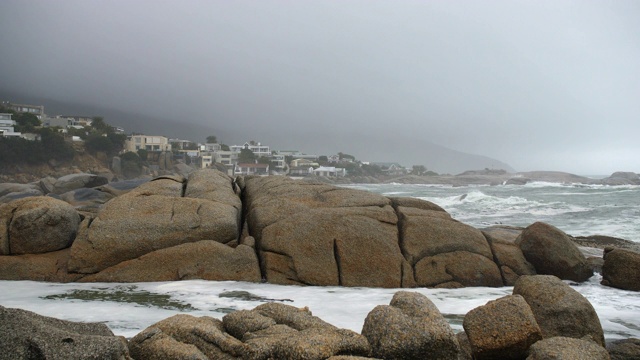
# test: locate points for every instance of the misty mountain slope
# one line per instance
(365, 144)
(368, 146)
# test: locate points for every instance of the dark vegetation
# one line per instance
(51, 144)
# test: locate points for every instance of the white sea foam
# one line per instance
(341, 306)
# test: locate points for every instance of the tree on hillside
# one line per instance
(26, 122)
(418, 170)
(16, 150)
(246, 156)
(344, 156)
(143, 153)
(111, 143)
(212, 139)
(190, 146)
(100, 126)
(224, 147)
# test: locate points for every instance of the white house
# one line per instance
(330, 171)
(209, 148)
(227, 158)
(279, 161)
(207, 161)
(149, 143)
(7, 125)
(251, 169)
(300, 171)
(303, 163)
(258, 149)
(297, 154)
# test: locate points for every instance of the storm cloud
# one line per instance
(540, 85)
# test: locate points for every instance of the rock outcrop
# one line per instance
(159, 214)
(411, 327)
(507, 254)
(308, 233)
(621, 269)
(502, 329)
(26, 335)
(559, 310)
(558, 348)
(76, 181)
(625, 349)
(37, 225)
(551, 252)
(210, 226)
(270, 331)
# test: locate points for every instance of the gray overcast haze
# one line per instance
(539, 85)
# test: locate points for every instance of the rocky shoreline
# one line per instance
(206, 225)
(493, 178)
(543, 318)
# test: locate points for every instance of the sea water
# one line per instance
(576, 209)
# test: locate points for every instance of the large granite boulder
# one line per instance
(551, 252)
(622, 178)
(624, 349)
(317, 234)
(502, 329)
(559, 309)
(37, 225)
(117, 188)
(561, 348)
(7, 189)
(411, 327)
(186, 337)
(76, 181)
(508, 255)
(206, 259)
(445, 252)
(279, 331)
(12, 191)
(26, 335)
(154, 216)
(320, 344)
(90, 200)
(51, 266)
(621, 269)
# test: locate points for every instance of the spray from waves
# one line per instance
(480, 209)
(545, 184)
(502, 205)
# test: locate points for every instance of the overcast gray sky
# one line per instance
(540, 85)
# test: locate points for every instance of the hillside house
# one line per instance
(37, 110)
(300, 171)
(147, 142)
(251, 169)
(296, 163)
(389, 168)
(258, 149)
(330, 171)
(7, 125)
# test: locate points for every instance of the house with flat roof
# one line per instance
(303, 163)
(258, 149)
(7, 125)
(37, 110)
(251, 169)
(330, 171)
(147, 142)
